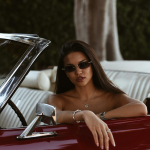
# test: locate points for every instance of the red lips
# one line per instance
(80, 79)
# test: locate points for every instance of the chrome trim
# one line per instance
(37, 135)
(17, 74)
(30, 127)
(18, 37)
(45, 113)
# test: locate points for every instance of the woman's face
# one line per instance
(79, 77)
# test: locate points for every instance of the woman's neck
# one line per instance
(85, 93)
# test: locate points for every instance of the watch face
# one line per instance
(102, 115)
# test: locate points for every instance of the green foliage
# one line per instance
(53, 20)
(50, 19)
(134, 29)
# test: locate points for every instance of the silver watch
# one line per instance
(102, 115)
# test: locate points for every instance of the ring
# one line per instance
(108, 130)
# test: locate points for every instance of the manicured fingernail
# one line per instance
(107, 148)
(97, 144)
(102, 147)
(114, 144)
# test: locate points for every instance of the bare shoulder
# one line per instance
(56, 100)
(121, 99)
(108, 96)
(59, 100)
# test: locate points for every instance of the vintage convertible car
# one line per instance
(27, 122)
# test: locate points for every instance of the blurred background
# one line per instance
(54, 20)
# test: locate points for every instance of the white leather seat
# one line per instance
(26, 100)
(135, 85)
(133, 77)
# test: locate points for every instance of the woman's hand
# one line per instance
(99, 129)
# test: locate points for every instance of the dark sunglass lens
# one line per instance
(84, 65)
(69, 68)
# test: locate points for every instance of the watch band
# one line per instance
(102, 115)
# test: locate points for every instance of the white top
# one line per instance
(130, 66)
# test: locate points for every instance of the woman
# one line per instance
(84, 93)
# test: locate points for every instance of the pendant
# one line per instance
(86, 105)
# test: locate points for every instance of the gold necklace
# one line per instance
(87, 105)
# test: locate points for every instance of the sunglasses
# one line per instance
(81, 65)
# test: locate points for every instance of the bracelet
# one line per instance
(74, 115)
(102, 115)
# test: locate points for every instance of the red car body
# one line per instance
(129, 134)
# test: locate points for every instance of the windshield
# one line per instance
(10, 53)
(17, 55)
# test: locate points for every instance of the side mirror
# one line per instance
(44, 113)
(47, 113)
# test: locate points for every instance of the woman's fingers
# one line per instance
(111, 138)
(95, 138)
(106, 139)
(99, 129)
(100, 137)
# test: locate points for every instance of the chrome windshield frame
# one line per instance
(20, 70)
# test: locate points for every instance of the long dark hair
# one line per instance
(100, 79)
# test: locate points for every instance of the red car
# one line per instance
(129, 133)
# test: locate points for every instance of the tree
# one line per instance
(95, 23)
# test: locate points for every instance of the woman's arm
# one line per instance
(95, 125)
(126, 107)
